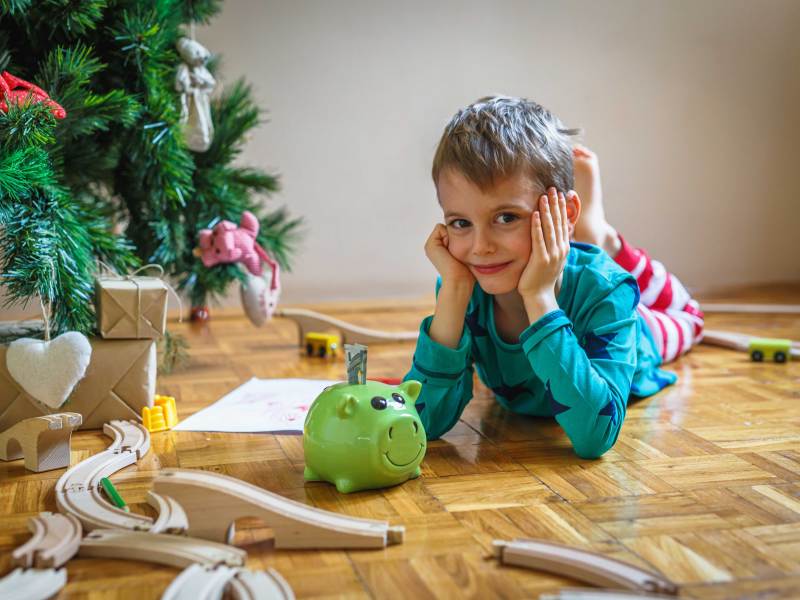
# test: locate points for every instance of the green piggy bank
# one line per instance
(364, 436)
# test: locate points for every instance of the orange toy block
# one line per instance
(162, 416)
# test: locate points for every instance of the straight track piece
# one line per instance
(590, 567)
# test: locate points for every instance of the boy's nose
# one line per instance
(482, 244)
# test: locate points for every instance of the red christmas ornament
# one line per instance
(200, 314)
(13, 89)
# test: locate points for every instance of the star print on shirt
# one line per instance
(474, 324)
(510, 392)
(555, 405)
(596, 346)
(610, 410)
(632, 283)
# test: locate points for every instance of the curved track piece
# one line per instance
(32, 584)
(172, 550)
(78, 490)
(171, 518)
(582, 565)
(199, 582)
(213, 502)
(309, 320)
(260, 585)
(55, 540)
(43, 441)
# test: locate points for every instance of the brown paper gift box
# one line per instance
(131, 308)
(120, 380)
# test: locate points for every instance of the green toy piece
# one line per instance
(770, 349)
(364, 436)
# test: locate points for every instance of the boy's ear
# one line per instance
(573, 209)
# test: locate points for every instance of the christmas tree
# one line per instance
(112, 179)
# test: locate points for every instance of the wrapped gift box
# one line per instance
(131, 308)
(120, 380)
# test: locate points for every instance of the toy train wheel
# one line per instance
(321, 352)
(309, 349)
(757, 355)
(780, 357)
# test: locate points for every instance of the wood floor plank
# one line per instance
(703, 483)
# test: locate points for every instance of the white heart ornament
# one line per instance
(49, 371)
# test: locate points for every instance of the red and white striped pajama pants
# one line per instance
(673, 317)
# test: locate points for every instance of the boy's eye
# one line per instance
(506, 218)
(459, 223)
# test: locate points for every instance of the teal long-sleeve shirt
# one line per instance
(579, 363)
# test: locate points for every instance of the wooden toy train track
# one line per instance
(212, 503)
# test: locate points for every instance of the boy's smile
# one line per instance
(489, 231)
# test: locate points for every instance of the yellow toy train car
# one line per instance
(761, 349)
(323, 345)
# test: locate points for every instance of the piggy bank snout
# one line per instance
(404, 441)
(404, 428)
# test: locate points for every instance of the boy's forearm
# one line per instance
(447, 324)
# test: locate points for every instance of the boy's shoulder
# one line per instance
(592, 274)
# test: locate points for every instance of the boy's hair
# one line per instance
(500, 136)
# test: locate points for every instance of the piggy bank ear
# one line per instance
(346, 407)
(411, 389)
(205, 238)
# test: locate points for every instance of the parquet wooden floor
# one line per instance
(703, 484)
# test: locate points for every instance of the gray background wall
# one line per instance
(693, 108)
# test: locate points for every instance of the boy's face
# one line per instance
(489, 231)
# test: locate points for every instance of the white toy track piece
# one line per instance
(32, 584)
(78, 490)
(590, 567)
(721, 307)
(213, 502)
(199, 582)
(309, 320)
(173, 550)
(55, 540)
(589, 594)
(260, 585)
(43, 441)
(171, 518)
(737, 341)
(205, 582)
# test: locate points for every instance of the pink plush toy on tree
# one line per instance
(227, 243)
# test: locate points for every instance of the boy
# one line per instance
(554, 328)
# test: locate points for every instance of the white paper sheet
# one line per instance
(260, 405)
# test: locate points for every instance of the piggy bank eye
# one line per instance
(398, 398)
(378, 403)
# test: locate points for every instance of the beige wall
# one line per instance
(693, 107)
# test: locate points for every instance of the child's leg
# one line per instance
(674, 318)
(671, 314)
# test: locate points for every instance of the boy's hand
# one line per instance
(549, 250)
(453, 271)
